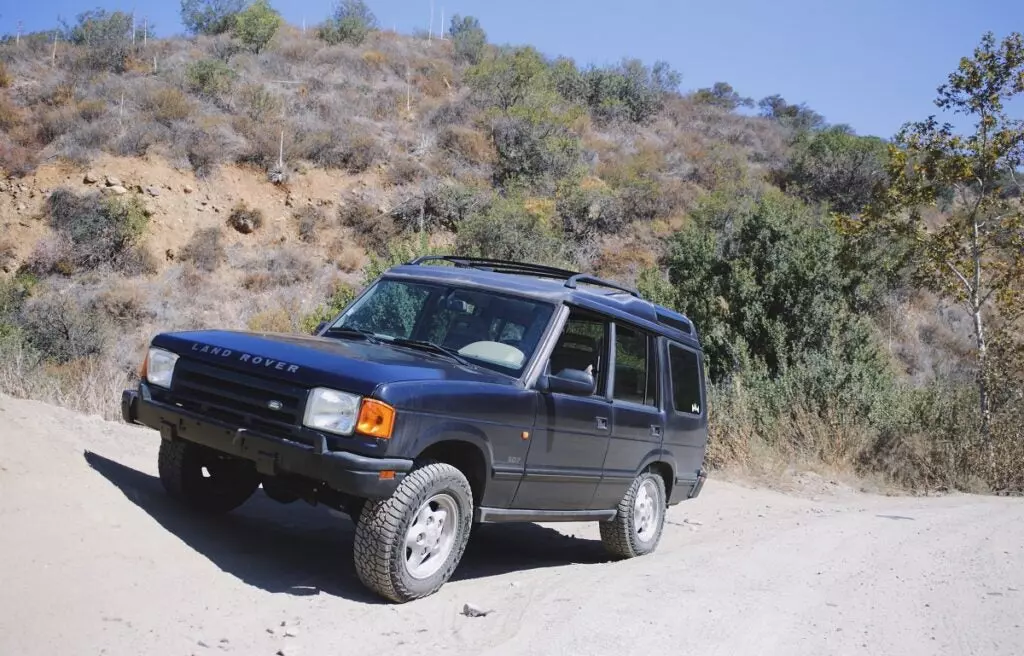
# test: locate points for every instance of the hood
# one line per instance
(348, 365)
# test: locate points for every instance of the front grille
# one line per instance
(238, 398)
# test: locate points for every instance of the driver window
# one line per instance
(582, 345)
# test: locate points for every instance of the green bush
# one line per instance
(507, 230)
(468, 39)
(256, 25)
(351, 22)
(102, 230)
(105, 39)
(209, 77)
(723, 96)
(210, 16)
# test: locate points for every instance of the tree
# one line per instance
(722, 95)
(105, 37)
(210, 16)
(351, 22)
(256, 25)
(835, 166)
(975, 253)
(468, 38)
(799, 117)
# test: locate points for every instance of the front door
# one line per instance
(568, 446)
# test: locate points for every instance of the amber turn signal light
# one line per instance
(376, 419)
(144, 367)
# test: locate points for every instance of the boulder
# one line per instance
(90, 178)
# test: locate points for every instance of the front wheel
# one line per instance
(637, 527)
(205, 479)
(408, 545)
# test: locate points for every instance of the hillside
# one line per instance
(255, 178)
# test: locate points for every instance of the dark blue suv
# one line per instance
(452, 391)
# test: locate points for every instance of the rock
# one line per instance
(169, 254)
(469, 610)
(152, 191)
(291, 633)
(200, 209)
(117, 190)
(113, 181)
(187, 189)
(289, 201)
(90, 178)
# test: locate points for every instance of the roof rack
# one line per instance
(571, 278)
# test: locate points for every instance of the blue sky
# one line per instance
(872, 64)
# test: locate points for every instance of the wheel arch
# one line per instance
(662, 463)
(465, 456)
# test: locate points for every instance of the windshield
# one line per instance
(488, 329)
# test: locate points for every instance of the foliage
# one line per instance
(101, 230)
(341, 297)
(210, 16)
(105, 38)
(256, 25)
(975, 255)
(205, 249)
(798, 117)
(764, 279)
(245, 219)
(629, 91)
(507, 229)
(62, 329)
(837, 167)
(722, 95)
(468, 39)
(209, 77)
(351, 22)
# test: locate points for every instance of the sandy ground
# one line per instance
(96, 560)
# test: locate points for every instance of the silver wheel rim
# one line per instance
(646, 512)
(431, 536)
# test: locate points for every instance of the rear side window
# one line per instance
(635, 378)
(685, 371)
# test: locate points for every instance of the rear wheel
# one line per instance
(637, 527)
(205, 479)
(408, 545)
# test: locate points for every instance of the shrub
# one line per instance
(278, 320)
(90, 110)
(168, 105)
(62, 329)
(102, 230)
(256, 25)
(10, 114)
(532, 150)
(403, 171)
(339, 298)
(244, 219)
(468, 39)
(310, 220)
(351, 22)
(8, 254)
(205, 249)
(209, 77)
(105, 39)
(5, 76)
(722, 95)
(507, 230)
(258, 103)
(466, 143)
(277, 268)
(210, 16)
(124, 304)
(628, 91)
(373, 229)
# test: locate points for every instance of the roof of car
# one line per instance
(553, 285)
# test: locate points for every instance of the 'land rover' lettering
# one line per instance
(246, 357)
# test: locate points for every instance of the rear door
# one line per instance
(686, 411)
(637, 419)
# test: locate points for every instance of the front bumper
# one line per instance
(360, 476)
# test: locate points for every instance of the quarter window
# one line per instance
(685, 370)
(635, 379)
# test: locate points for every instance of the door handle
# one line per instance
(602, 423)
(655, 430)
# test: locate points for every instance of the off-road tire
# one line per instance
(380, 551)
(230, 484)
(619, 536)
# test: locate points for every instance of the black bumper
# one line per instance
(349, 473)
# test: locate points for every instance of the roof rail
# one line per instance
(593, 280)
(571, 278)
(497, 266)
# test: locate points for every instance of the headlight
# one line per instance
(331, 410)
(160, 367)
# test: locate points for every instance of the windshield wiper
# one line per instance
(431, 346)
(353, 332)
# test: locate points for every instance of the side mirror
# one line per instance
(569, 381)
(319, 327)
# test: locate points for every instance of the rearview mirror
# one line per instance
(569, 381)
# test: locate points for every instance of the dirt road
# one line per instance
(96, 560)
